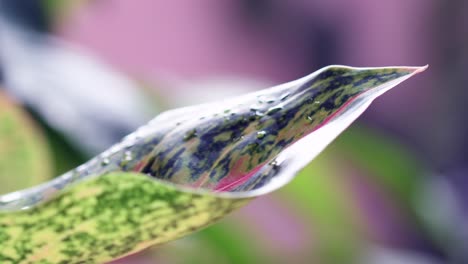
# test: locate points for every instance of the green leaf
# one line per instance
(318, 192)
(191, 167)
(107, 217)
(24, 157)
(388, 160)
(229, 240)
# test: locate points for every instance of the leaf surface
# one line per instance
(186, 169)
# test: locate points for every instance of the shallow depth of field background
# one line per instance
(392, 189)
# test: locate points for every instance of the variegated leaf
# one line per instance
(189, 167)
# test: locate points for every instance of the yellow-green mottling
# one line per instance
(105, 218)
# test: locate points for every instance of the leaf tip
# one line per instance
(417, 69)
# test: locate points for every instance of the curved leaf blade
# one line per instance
(105, 218)
(229, 152)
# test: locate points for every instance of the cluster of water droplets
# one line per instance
(263, 102)
(112, 155)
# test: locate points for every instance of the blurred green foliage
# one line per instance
(24, 154)
(389, 161)
(64, 154)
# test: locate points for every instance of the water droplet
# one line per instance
(254, 107)
(236, 138)
(129, 137)
(114, 149)
(190, 134)
(81, 170)
(309, 118)
(258, 113)
(105, 162)
(317, 102)
(263, 99)
(261, 134)
(128, 156)
(260, 99)
(274, 110)
(284, 96)
(274, 163)
(127, 144)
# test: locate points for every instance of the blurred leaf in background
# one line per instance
(24, 154)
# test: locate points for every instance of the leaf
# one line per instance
(394, 165)
(325, 197)
(318, 192)
(23, 152)
(66, 83)
(107, 217)
(190, 167)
